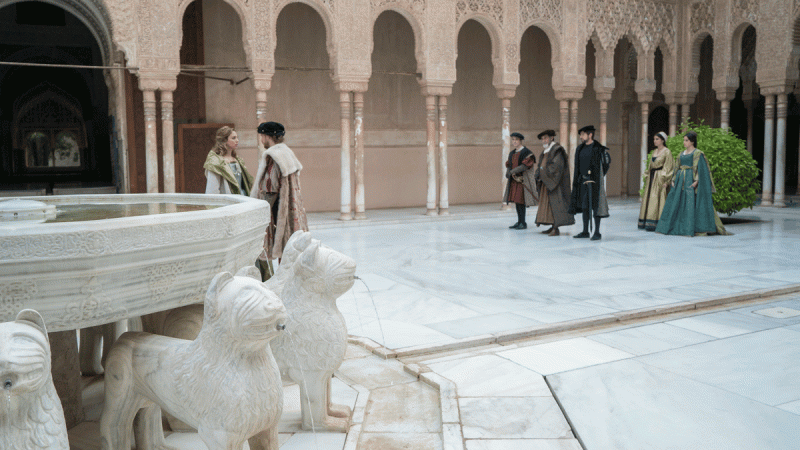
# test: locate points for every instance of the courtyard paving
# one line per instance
(500, 339)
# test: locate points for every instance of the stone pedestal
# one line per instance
(67, 374)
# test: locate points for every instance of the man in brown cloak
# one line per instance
(552, 182)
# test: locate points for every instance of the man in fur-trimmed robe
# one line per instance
(552, 182)
(278, 182)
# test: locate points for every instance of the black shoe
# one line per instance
(582, 234)
(548, 231)
(515, 226)
(597, 237)
(523, 226)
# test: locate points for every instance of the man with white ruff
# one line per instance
(278, 182)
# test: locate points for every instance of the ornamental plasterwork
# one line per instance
(544, 10)
(746, 10)
(649, 22)
(13, 296)
(702, 17)
(93, 306)
(413, 6)
(491, 8)
(278, 5)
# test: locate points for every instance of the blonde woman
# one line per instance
(656, 183)
(225, 171)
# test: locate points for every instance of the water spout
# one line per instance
(7, 385)
(280, 326)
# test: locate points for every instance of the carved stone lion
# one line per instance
(225, 383)
(31, 417)
(309, 280)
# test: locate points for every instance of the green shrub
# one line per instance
(734, 170)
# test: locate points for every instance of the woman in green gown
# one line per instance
(689, 209)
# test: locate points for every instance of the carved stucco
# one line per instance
(648, 22)
(541, 11)
(489, 8)
(746, 10)
(702, 17)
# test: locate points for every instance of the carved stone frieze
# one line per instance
(746, 10)
(13, 296)
(544, 10)
(160, 277)
(412, 6)
(649, 22)
(94, 305)
(491, 8)
(702, 16)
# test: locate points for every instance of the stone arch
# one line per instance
(495, 38)
(555, 46)
(181, 11)
(324, 14)
(668, 82)
(93, 14)
(416, 28)
(696, 45)
(736, 49)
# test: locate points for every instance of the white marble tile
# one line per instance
(373, 373)
(491, 376)
(523, 444)
(404, 408)
(792, 407)
(315, 441)
(516, 417)
(565, 312)
(484, 324)
(791, 276)
(560, 356)
(393, 334)
(627, 405)
(648, 339)
(761, 366)
(723, 324)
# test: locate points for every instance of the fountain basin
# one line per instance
(82, 273)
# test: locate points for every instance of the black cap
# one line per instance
(518, 136)
(271, 129)
(587, 129)
(546, 133)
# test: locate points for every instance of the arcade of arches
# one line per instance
(388, 103)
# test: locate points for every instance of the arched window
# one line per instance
(49, 132)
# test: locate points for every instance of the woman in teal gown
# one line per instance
(689, 209)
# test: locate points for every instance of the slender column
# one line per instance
(261, 105)
(750, 112)
(167, 142)
(506, 131)
(685, 112)
(673, 118)
(725, 113)
(780, 151)
(444, 202)
(345, 104)
(563, 133)
(769, 113)
(432, 138)
(626, 136)
(573, 123)
(358, 122)
(151, 140)
(644, 146)
(604, 122)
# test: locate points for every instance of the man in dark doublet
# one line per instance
(588, 183)
(520, 188)
(553, 186)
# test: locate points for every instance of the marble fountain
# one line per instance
(181, 267)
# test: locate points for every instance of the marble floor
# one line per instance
(713, 379)
(433, 281)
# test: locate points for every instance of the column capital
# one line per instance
(351, 84)
(567, 94)
(506, 91)
(262, 81)
(776, 88)
(604, 87)
(441, 88)
(158, 81)
(726, 94)
(645, 87)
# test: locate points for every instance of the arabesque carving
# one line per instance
(13, 296)
(702, 17)
(649, 22)
(746, 10)
(31, 417)
(544, 10)
(191, 379)
(491, 8)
